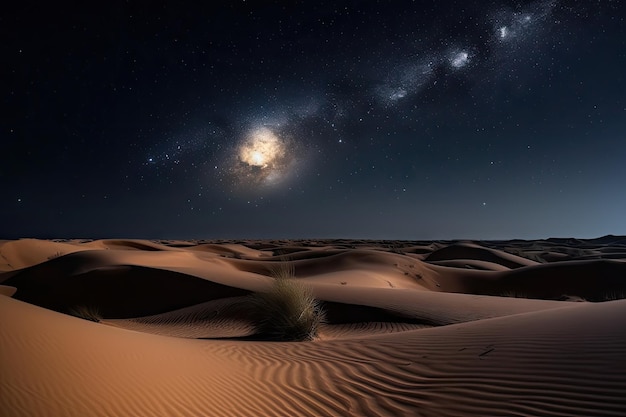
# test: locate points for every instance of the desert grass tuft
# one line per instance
(288, 311)
(282, 270)
(612, 295)
(90, 313)
(512, 293)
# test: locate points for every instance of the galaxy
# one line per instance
(369, 120)
(263, 159)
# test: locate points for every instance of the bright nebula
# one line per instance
(398, 94)
(263, 158)
(459, 60)
(262, 149)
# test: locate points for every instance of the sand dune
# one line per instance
(6, 290)
(473, 251)
(413, 328)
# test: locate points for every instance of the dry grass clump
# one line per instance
(90, 313)
(512, 293)
(288, 311)
(612, 295)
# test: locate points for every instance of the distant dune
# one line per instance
(437, 328)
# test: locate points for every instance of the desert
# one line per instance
(127, 327)
(313, 208)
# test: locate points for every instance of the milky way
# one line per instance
(377, 119)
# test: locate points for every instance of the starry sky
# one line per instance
(432, 119)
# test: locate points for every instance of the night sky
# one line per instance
(415, 120)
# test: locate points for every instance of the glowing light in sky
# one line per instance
(262, 149)
(459, 60)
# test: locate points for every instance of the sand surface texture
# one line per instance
(455, 328)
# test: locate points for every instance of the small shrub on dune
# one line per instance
(86, 312)
(55, 255)
(514, 294)
(283, 270)
(288, 311)
(613, 296)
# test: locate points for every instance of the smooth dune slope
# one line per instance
(558, 362)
